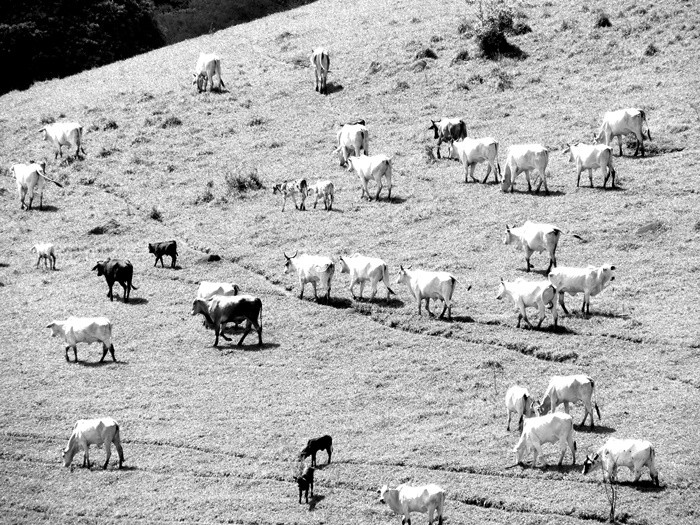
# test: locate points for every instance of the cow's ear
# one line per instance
(612, 267)
(51, 325)
(95, 267)
(401, 267)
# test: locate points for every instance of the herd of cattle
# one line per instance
(222, 303)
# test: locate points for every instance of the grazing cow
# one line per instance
(321, 64)
(291, 189)
(525, 158)
(540, 294)
(621, 122)
(159, 249)
(570, 389)
(30, 180)
(88, 330)
(535, 237)
(589, 157)
(631, 453)
(374, 167)
(305, 480)
(352, 139)
(64, 134)
(208, 65)
(222, 309)
(429, 285)
(551, 428)
(473, 151)
(116, 270)
(591, 281)
(45, 251)
(324, 189)
(363, 269)
(86, 432)
(448, 130)
(405, 499)
(314, 445)
(312, 269)
(519, 402)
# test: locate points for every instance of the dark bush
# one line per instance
(42, 39)
(493, 45)
(651, 50)
(462, 56)
(171, 122)
(426, 53)
(602, 19)
(239, 184)
(156, 214)
(207, 195)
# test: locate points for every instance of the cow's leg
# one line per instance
(566, 407)
(313, 283)
(430, 515)
(586, 307)
(67, 358)
(427, 307)
(111, 351)
(490, 167)
(86, 457)
(509, 416)
(472, 169)
(248, 324)
(38, 261)
(528, 254)
(590, 176)
(586, 410)
(654, 474)
(541, 316)
(562, 451)
(162, 265)
(561, 302)
(108, 452)
(619, 143)
(379, 189)
(216, 333)
(223, 332)
(104, 352)
(75, 353)
(362, 288)
(438, 147)
(375, 283)
(537, 451)
(444, 309)
(284, 201)
(301, 289)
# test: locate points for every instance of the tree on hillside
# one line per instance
(42, 39)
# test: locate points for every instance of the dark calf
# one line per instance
(116, 270)
(305, 482)
(314, 445)
(159, 249)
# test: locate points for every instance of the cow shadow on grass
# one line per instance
(47, 208)
(598, 429)
(97, 364)
(394, 200)
(315, 500)
(608, 315)
(136, 300)
(333, 87)
(456, 319)
(233, 347)
(565, 468)
(643, 485)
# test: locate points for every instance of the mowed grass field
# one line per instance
(210, 435)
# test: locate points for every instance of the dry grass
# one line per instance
(210, 435)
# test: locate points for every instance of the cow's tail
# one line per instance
(80, 138)
(303, 186)
(644, 121)
(116, 432)
(385, 278)
(133, 286)
(52, 180)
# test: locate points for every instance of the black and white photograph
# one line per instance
(350, 261)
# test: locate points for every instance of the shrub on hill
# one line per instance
(493, 20)
(42, 39)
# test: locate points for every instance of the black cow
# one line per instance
(116, 270)
(314, 445)
(447, 130)
(163, 248)
(222, 309)
(305, 482)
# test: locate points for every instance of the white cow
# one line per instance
(363, 269)
(590, 281)
(429, 285)
(525, 158)
(352, 139)
(323, 189)
(321, 64)
(448, 130)
(47, 252)
(208, 289)
(312, 269)
(64, 134)
(589, 157)
(292, 188)
(540, 294)
(570, 389)
(534, 237)
(88, 330)
(208, 65)
(518, 402)
(631, 453)
(368, 168)
(30, 180)
(86, 432)
(621, 122)
(405, 499)
(473, 151)
(552, 428)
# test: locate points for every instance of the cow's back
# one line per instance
(88, 330)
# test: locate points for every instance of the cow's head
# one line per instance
(381, 492)
(591, 463)
(349, 163)
(56, 328)
(100, 267)
(151, 248)
(544, 406)
(434, 127)
(522, 449)
(199, 306)
(43, 165)
(605, 274)
(344, 268)
(501, 290)
(528, 405)
(403, 275)
(289, 264)
(508, 237)
(567, 151)
(45, 135)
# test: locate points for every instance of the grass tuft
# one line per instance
(503, 79)
(171, 122)
(651, 50)
(237, 185)
(426, 53)
(602, 19)
(207, 195)
(110, 227)
(47, 119)
(156, 214)
(462, 56)
(257, 121)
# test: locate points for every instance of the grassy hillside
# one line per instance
(210, 434)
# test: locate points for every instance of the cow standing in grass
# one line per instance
(321, 64)
(86, 432)
(116, 270)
